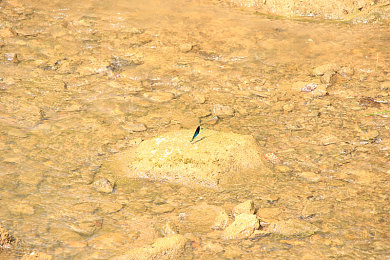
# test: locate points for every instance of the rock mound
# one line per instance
(211, 159)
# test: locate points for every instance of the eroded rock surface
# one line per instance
(211, 159)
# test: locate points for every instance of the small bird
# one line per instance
(197, 132)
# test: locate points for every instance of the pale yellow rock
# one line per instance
(346, 71)
(223, 111)
(185, 47)
(221, 220)
(310, 89)
(371, 134)
(168, 247)
(110, 207)
(213, 158)
(103, 185)
(247, 207)
(321, 70)
(243, 226)
(159, 97)
(203, 218)
(268, 214)
(293, 227)
(135, 127)
(310, 176)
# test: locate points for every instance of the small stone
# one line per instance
(169, 247)
(130, 85)
(310, 176)
(186, 47)
(232, 252)
(159, 97)
(11, 57)
(268, 214)
(75, 244)
(329, 78)
(223, 111)
(169, 229)
(221, 220)
(310, 88)
(320, 91)
(199, 98)
(164, 208)
(135, 127)
(321, 70)
(293, 227)
(110, 207)
(243, 226)
(364, 176)
(369, 135)
(103, 185)
(85, 228)
(247, 207)
(288, 107)
(346, 71)
(282, 168)
(213, 247)
(328, 140)
(204, 217)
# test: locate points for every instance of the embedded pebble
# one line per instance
(103, 185)
(159, 97)
(86, 227)
(293, 227)
(310, 88)
(199, 98)
(321, 70)
(161, 209)
(223, 111)
(320, 91)
(214, 247)
(310, 176)
(329, 78)
(204, 217)
(110, 207)
(368, 135)
(168, 229)
(169, 247)
(346, 71)
(135, 127)
(186, 47)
